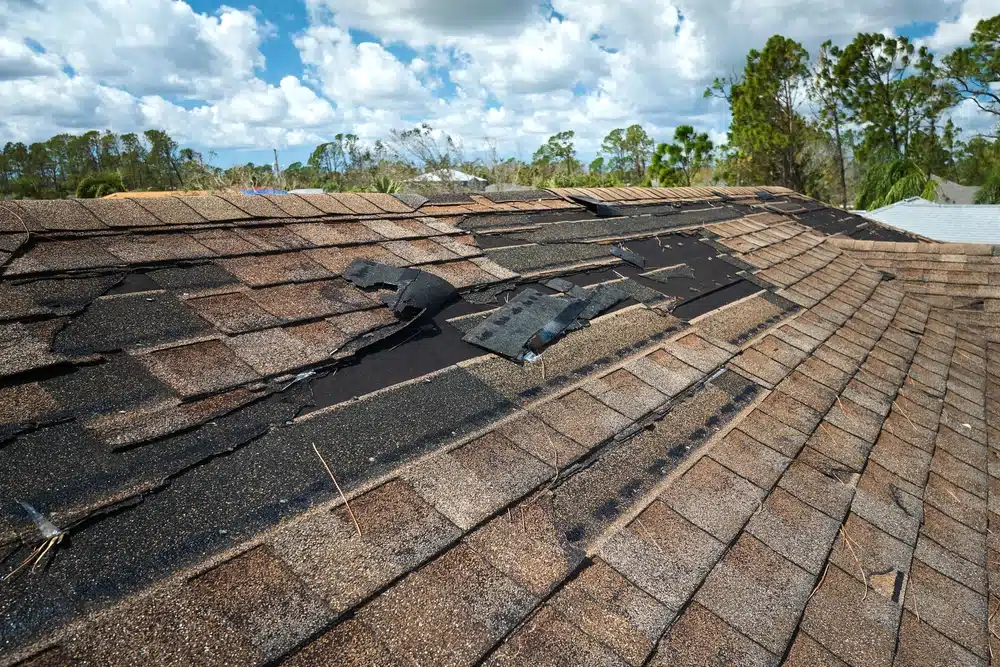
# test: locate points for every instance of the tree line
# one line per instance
(861, 125)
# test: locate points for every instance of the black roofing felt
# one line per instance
(519, 195)
(122, 322)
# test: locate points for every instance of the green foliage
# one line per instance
(99, 185)
(890, 89)
(677, 163)
(975, 70)
(557, 153)
(628, 150)
(383, 183)
(891, 180)
(989, 192)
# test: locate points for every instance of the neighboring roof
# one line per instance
(779, 447)
(949, 192)
(942, 222)
(445, 175)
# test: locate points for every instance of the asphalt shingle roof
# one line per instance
(787, 455)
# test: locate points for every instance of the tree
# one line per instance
(629, 150)
(679, 162)
(892, 179)
(831, 111)
(975, 70)
(890, 90)
(557, 151)
(767, 128)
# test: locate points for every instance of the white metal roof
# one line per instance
(942, 222)
(453, 175)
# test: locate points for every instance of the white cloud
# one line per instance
(511, 70)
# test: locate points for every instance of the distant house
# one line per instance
(451, 177)
(949, 192)
(955, 223)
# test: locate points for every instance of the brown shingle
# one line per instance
(663, 553)
(170, 210)
(471, 482)
(449, 612)
(311, 300)
(233, 313)
(714, 499)
(608, 608)
(757, 592)
(399, 531)
(199, 368)
(700, 638)
(264, 270)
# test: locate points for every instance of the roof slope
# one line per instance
(952, 223)
(780, 447)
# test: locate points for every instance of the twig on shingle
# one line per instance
(864, 577)
(334, 480)
(912, 425)
(820, 582)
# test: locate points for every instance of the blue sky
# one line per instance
(242, 78)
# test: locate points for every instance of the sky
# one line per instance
(241, 79)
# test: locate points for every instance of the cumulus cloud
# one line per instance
(513, 71)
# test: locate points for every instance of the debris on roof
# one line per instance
(751, 446)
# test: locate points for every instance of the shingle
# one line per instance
(449, 612)
(806, 652)
(419, 251)
(798, 532)
(336, 233)
(399, 531)
(527, 545)
(950, 608)
(771, 432)
(214, 208)
(625, 393)
(271, 351)
(698, 352)
(119, 212)
(61, 256)
(860, 628)
(956, 536)
(294, 205)
(714, 498)
(263, 599)
(130, 320)
(257, 206)
(581, 417)
(311, 300)
(750, 459)
(22, 350)
(199, 368)
(830, 493)
(605, 606)
(950, 564)
(233, 313)
(473, 481)
(148, 248)
(663, 553)
(264, 270)
(548, 638)
(862, 550)
(60, 214)
(881, 501)
(757, 592)
(170, 210)
(349, 644)
(665, 372)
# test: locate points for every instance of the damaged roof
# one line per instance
(604, 426)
